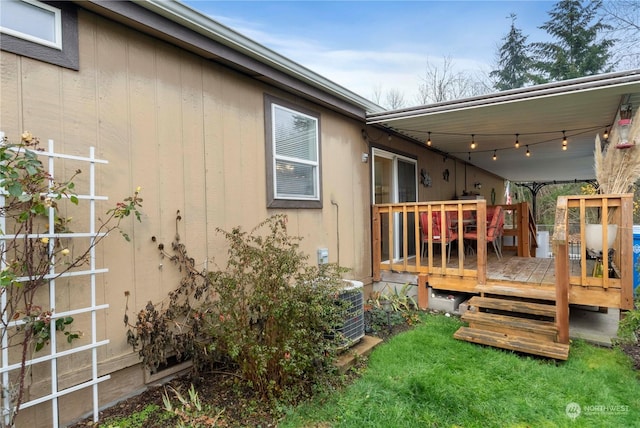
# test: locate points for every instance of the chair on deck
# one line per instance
(441, 234)
(495, 227)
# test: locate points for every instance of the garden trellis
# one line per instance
(83, 277)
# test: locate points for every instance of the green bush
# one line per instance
(269, 312)
(275, 313)
(629, 328)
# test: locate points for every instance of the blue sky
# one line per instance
(364, 45)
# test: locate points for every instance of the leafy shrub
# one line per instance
(629, 328)
(269, 312)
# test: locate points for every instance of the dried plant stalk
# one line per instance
(617, 170)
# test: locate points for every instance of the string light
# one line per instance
(495, 156)
(474, 145)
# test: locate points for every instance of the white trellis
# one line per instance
(6, 366)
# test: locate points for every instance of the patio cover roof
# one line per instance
(581, 107)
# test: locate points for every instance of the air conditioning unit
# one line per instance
(352, 330)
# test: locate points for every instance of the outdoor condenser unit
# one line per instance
(353, 328)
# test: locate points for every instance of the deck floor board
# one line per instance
(531, 270)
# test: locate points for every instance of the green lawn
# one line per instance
(426, 378)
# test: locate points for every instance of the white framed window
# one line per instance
(293, 156)
(42, 30)
(33, 21)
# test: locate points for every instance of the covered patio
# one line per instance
(532, 135)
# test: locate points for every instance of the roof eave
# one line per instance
(202, 24)
(549, 89)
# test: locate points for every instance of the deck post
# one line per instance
(377, 244)
(626, 252)
(561, 248)
(481, 249)
(423, 291)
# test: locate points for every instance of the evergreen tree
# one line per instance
(578, 50)
(514, 62)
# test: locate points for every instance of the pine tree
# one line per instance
(578, 50)
(514, 62)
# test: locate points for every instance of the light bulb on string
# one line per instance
(429, 139)
(528, 152)
(473, 141)
(564, 139)
(517, 141)
(495, 156)
(606, 134)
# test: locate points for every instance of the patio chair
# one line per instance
(441, 234)
(495, 227)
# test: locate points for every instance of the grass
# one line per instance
(138, 419)
(426, 378)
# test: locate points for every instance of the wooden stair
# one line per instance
(515, 318)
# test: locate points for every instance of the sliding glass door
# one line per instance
(395, 179)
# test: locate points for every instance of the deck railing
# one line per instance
(520, 229)
(398, 243)
(599, 269)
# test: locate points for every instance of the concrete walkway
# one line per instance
(593, 326)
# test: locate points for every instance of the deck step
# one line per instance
(558, 351)
(513, 306)
(506, 323)
(538, 293)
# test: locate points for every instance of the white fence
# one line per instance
(82, 278)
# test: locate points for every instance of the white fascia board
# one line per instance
(624, 78)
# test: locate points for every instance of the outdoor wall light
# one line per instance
(624, 124)
(477, 185)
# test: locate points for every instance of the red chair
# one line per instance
(442, 233)
(495, 227)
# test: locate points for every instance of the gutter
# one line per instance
(202, 24)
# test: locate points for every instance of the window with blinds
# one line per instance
(293, 152)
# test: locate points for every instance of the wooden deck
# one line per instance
(518, 292)
(511, 269)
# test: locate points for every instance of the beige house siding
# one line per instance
(435, 164)
(191, 133)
